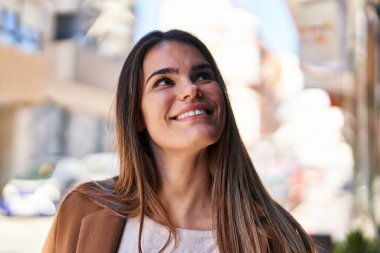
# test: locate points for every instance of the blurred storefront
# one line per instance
(302, 77)
(367, 115)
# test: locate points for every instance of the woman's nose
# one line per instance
(190, 91)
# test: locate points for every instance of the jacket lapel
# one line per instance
(100, 232)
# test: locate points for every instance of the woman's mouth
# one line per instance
(192, 113)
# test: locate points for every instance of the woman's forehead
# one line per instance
(173, 55)
(172, 49)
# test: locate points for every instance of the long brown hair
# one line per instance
(245, 217)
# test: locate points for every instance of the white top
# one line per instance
(155, 235)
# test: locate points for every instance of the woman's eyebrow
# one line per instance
(162, 71)
(195, 68)
(200, 66)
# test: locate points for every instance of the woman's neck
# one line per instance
(185, 189)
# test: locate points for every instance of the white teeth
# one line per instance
(191, 113)
(198, 112)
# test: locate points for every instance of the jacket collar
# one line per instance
(100, 231)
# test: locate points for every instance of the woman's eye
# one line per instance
(203, 76)
(163, 82)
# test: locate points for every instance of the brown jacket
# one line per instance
(82, 226)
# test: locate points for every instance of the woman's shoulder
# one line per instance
(79, 206)
(86, 197)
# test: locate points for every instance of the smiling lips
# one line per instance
(191, 114)
(192, 110)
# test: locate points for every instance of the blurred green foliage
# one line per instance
(357, 243)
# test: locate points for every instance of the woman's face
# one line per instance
(182, 104)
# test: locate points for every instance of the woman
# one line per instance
(185, 175)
